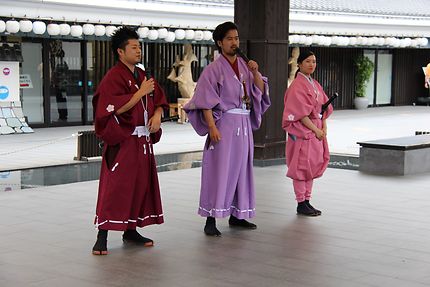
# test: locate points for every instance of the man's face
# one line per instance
(229, 43)
(131, 54)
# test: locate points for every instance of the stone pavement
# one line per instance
(374, 231)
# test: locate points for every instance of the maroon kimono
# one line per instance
(129, 194)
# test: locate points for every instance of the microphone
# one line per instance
(326, 104)
(241, 54)
(149, 76)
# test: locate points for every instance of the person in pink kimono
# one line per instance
(307, 153)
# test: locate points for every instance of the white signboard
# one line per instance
(25, 81)
(9, 81)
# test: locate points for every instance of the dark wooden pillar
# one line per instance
(263, 32)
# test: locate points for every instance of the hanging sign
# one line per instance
(9, 81)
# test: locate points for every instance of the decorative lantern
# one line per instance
(291, 39)
(110, 30)
(53, 29)
(327, 41)
(39, 27)
(388, 41)
(88, 29)
(25, 26)
(334, 40)
(76, 30)
(162, 33)
(198, 35)
(12, 26)
(143, 32)
(302, 39)
(353, 41)
(315, 39)
(396, 42)
(423, 41)
(180, 34)
(2, 26)
(207, 35)
(408, 42)
(189, 34)
(64, 29)
(99, 30)
(153, 35)
(170, 37)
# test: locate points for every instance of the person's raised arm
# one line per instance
(145, 88)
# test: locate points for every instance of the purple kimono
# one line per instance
(227, 185)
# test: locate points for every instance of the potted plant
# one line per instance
(364, 68)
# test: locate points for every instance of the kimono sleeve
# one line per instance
(206, 97)
(297, 104)
(112, 128)
(159, 101)
(260, 102)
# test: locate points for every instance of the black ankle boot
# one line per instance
(234, 221)
(131, 235)
(100, 247)
(313, 208)
(210, 227)
(304, 209)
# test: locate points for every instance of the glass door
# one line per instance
(384, 78)
(32, 92)
(66, 82)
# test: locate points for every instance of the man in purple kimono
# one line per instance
(230, 99)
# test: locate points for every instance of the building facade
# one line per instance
(63, 50)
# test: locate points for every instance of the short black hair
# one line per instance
(120, 39)
(304, 54)
(221, 30)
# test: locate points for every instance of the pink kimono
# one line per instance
(307, 156)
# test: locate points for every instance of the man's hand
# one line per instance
(154, 123)
(214, 134)
(146, 87)
(253, 66)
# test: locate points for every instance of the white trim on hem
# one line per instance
(127, 221)
(226, 209)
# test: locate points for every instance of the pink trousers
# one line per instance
(303, 189)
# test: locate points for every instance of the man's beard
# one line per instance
(231, 52)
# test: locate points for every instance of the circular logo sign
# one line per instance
(6, 71)
(4, 92)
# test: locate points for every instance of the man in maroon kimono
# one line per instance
(128, 108)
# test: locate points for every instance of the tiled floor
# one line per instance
(374, 231)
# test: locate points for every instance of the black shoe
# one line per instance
(134, 236)
(303, 209)
(210, 227)
(234, 221)
(100, 247)
(313, 208)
